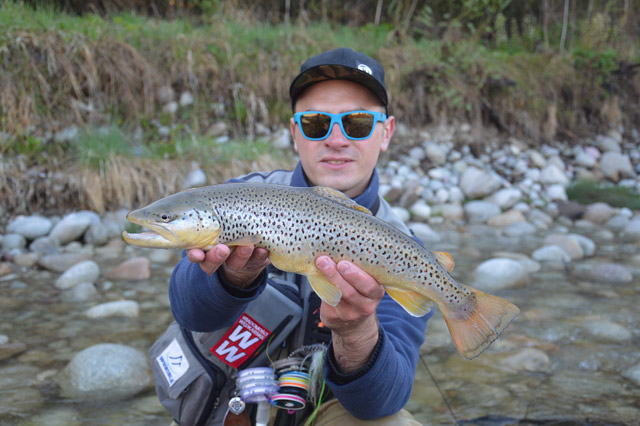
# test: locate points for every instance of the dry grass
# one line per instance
(122, 182)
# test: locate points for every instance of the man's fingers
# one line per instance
(364, 283)
(239, 258)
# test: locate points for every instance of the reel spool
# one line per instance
(256, 384)
(293, 382)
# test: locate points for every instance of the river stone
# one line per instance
(498, 274)
(633, 374)
(106, 371)
(519, 229)
(281, 138)
(134, 269)
(82, 292)
(537, 159)
(450, 211)
(632, 231)
(30, 227)
(194, 179)
(87, 271)
(610, 273)
(551, 254)
(607, 331)
(420, 210)
(528, 359)
(507, 218)
(586, 244)
(4, 339)
(9, 350)
(45, 246)
(556, 192)
(552, 174)
(118, 308)
(616, 166)
(401, 213)
(477, 183)
(97, 234)
(567, 243)
(505, 198)
(598, 213)
(13, 241)
(72, 226)
(19, 396)
(480, 211)
(61, 262)
(617, 223)
(585, 160)
(424, 232)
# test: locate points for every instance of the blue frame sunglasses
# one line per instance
(355, 125)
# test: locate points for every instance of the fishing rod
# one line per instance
(444, 398)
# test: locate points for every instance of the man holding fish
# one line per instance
(339, 127)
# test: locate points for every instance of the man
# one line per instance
(374, 346)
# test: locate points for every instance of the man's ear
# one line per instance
(389, 127)
(293, 133)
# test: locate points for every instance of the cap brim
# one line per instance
(336, 72)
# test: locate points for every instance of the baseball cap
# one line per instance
(342, 63)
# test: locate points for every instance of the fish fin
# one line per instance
(477, 322)
(243, 241)
(445, 259)
(414, 303)
(325, 289)
(339, 197)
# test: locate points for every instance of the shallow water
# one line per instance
(580, 382)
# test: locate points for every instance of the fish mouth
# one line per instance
(158, 236)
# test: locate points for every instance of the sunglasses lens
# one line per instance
(314, 125)
(358, 124)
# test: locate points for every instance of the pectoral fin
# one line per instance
(414, 303)
(445, 259)
(325, 289)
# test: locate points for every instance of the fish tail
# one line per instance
(477, 322)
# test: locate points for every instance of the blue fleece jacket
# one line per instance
(382, 387)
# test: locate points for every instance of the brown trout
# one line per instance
(296, 225)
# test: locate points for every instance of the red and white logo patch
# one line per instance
(241, 341)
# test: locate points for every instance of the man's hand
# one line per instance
(240, 267)
(353, 322)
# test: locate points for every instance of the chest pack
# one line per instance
(194, 371)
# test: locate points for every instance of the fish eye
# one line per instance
(165, 217)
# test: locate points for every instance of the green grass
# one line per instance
(588, 192)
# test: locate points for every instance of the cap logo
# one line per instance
(365, 68)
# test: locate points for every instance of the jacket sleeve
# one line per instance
(200, 302)
(383, 386)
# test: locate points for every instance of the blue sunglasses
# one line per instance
(355, 125)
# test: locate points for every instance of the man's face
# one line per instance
(336, 161)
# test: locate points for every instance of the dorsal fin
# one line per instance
(338, 197)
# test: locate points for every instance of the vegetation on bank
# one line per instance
(537, 70)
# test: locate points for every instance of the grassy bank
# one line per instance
(113, 75)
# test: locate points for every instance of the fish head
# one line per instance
(182, 220)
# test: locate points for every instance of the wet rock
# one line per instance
(480, 211)
(61, 262)
(97, 235)
(551, 254)
(13, 241)
(528, 359)
(505, 198)
(82, 292)
(87, 271)
(552, 174)
(30, 227)
(19, 396)
(519, 229)
(477, 183)
(195, 179)
(607, 331)
(539, 219)
(106, 371)
(556, 192)
(616, 166)
(45, 246)
(134, 269)
(119, 308)
(420, 210)
(56, 416)
(9, 350)
(424, 232)
(569, 244)
(507, 218)
(610, 273)
(72, 226)
(499, 273)
(599, 213)
(633, 374)
(451, 212)
(401, 213)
